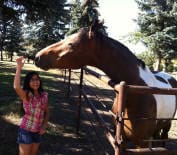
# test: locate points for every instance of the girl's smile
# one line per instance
(34, 82)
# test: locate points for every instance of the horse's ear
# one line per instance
(95, 26)
(101, 22)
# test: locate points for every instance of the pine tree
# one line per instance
(13, 39)
(50, 16)
(158, 27)
(84, 14)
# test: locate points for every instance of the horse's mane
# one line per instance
(116, 43)
(141, 63)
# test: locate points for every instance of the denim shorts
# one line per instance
(27, 137)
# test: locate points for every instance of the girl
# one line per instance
(35, 104)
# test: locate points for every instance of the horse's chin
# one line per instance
(42, 67)
(46, 69)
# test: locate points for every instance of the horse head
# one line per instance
(73, 52)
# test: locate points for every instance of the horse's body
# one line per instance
(89, 47)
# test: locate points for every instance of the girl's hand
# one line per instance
(42, 131)
(20, 61)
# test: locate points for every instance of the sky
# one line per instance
(118, 16)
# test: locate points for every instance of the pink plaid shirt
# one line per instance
(34, 112)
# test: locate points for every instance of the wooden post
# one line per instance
(65, 75)
(79, 102)
(69, 83)
(120, 99)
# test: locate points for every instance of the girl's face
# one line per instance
(34, 82)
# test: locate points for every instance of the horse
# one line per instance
(91, 47)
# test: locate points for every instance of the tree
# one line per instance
(13, 39)
(51, 21)
(75, 14)
(9, 27)
(158, 28)
(84, 14)
(148, 57)
(51, 17)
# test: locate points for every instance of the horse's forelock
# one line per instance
(86, 30)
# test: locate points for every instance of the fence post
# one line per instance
(79, 102)
(69, 84)
(120, 97)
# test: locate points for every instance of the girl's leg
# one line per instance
(34, 148)
(25, 149)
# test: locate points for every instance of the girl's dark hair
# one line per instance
(26, 85)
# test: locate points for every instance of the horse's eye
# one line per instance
(71, 45)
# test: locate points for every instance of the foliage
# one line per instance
(9, 27)
(45, 21)
(13, 39)
(83, 15)
(158, 27)
(149, 59)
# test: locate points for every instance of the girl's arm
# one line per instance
(17, 78)
(46, 119)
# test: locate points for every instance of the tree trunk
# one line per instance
(1, 49)
(157, 64)
(167, 65)
(2, 39)
(11, 56)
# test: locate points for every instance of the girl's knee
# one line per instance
(25, 149)
(35, 148)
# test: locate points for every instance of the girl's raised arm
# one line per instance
(17, 78)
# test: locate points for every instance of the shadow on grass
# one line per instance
(8, 136)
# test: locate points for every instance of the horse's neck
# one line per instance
(117, 64)
(118, 73)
